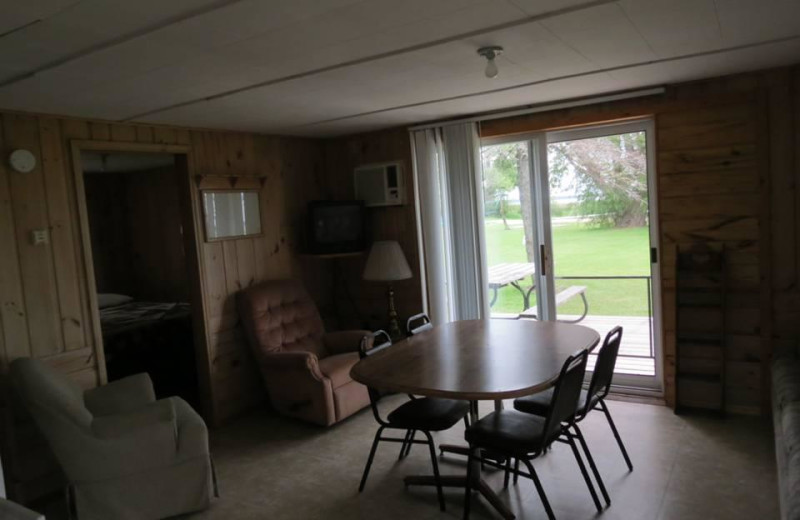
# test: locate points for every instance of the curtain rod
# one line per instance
(543, 108)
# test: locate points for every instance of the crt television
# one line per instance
(336, 227)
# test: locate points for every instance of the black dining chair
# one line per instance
(591, 398)
(414, 325)
(419, 414)
(525, 437)
(412, 328)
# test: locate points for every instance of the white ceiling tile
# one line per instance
(14, 15)
(711, 65)
(539, 7)
(85, 25)
(274, 62)
(746, 21)
(538, 51)
(602, 34)
(675, 27)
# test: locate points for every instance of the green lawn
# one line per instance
(581, 251)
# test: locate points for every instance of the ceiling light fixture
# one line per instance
(490, 53)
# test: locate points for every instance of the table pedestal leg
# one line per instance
(478, 483)
(461, 482)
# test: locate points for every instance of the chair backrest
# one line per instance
(279, 315)
(566, 394)
(57, 407)
(603, 369)
(418, 323)
(370, 346)
(47, 392)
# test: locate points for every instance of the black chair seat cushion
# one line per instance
(539, 404)
(507, 431)
(429, 414)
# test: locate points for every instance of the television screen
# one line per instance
(336, 227)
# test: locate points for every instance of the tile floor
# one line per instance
(686, 467)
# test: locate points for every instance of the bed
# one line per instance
(132, 315)
(152, 337)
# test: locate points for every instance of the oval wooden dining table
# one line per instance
(476, 360)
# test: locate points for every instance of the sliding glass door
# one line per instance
(569, 236)
(515, 229)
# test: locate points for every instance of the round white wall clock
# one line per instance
(22, 161)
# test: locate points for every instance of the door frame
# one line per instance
(537, 143)
(194, 258)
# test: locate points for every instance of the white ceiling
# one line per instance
(330, 67)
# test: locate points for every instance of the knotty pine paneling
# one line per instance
(367, 306)
(44, 290)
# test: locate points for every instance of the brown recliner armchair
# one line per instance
(306, 370)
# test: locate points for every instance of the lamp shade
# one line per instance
(386, 263)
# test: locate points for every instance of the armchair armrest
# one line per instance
(344, 341)
(119, 425)
(293, 361)
(121, 396)
(127, 443)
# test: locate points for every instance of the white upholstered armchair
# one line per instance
(125, 455)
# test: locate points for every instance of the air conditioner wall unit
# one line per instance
(379, 184)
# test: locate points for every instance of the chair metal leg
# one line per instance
(466, 421)
(410, 442)
(369, 459)
(539, 489)
(435, 463)
(516, 472)
(214, 477)
(468, 483)
(404, 445)
(616, 434)
(585, 473)
(507, 473)
(72, 511)
(592, 465)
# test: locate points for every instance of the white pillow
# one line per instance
(112, 300)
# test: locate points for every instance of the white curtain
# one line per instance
(450, 215)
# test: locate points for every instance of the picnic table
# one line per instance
(512, 273)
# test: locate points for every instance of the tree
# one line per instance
(505, 167)
(609, 175)
(500, 175)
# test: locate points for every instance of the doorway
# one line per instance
(570, 237)
(137, 221)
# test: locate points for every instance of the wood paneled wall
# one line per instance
(366, 303)
(44, 291)
(727, 173)
(290, 174)
(136, 231)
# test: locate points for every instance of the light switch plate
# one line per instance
(40, 237)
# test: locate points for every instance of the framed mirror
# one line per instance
(231, 214)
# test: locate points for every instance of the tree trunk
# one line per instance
(503, 214)
(524, 183)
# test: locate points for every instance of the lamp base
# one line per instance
(394, 327)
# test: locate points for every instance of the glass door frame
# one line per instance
(540, 210)
(537, 143)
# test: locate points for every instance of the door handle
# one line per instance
(543, 260)
(653, 255)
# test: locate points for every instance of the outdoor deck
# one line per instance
(634, 354)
